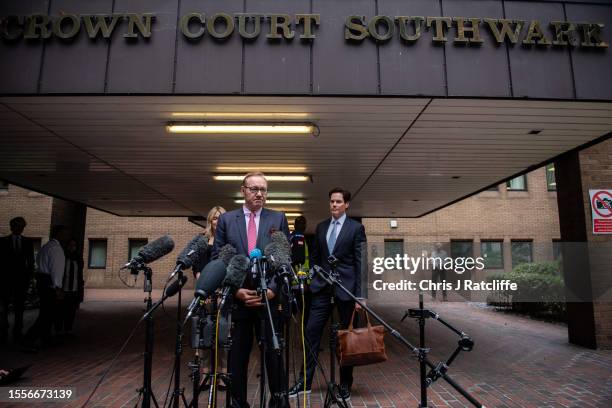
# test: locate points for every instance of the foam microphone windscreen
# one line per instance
(210, 278)
(226, 253)
(255, 253)
(277, 254)
(156, 249)
(280, 238)
(200, 247)
(191, 252)
(236, 272)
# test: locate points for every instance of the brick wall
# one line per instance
(596, 173)
(34, 207)
(491, 215)
(118, 230)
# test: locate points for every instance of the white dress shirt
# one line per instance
(51, 261)
(247, 216)
(340, 223)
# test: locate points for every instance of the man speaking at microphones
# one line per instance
(245, 229)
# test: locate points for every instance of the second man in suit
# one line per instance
(245, 229)
(345, 239)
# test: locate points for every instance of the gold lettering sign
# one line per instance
(194, 26)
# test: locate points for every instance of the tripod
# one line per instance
(333, 389)
(421, 353)
(465, 343)
(145, 392)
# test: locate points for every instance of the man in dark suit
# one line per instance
(345, 239)
(245, 229)
(17, 257)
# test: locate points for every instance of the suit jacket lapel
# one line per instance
(323, 237)
(242, 229)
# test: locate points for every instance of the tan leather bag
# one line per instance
(361, 346)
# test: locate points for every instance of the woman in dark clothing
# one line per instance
(73, 288)
(209, 233)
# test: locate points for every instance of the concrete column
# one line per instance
(584, 262)
(73, 216)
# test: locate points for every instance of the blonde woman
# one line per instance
(209, 233)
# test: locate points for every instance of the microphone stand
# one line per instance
(438, 370)
(263, 288)
(178, 350)
(146, 392)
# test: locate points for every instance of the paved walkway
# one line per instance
(516, 362)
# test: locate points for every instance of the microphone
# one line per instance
(277, 252)
(193, 252)
(210, 279)
(175, 287)
(226, 253)
(255, 254)
(150, 252)
(236, 273)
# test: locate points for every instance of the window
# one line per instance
(3, 185)
(517, 184)
(462, 249)
(394, 247)
(521, 252)
(557, 249)
(551, 182)
(493, 254)
(134, 245)
(97, 254)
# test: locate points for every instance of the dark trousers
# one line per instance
(66, 311)
(247, 325)
(320, 310)
(438, 275)
(41, 329)
(17, 296)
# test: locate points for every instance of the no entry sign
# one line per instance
(601, 211)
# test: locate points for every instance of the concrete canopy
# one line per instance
(401, 157)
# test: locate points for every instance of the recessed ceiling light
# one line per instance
(278, 177)
(242, 128)
(290, 214)
(276, 201)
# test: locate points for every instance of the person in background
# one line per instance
(51, 263)
(211, 228)
(247, 228)
(300, 259)
(73, 288)
(438, 273)
(345, 239)
(16, 272)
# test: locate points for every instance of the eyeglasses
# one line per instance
(256, 190)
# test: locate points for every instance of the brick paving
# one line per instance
(516, 362)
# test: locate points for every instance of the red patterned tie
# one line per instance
(252, 232)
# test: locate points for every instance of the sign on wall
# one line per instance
(601, 211)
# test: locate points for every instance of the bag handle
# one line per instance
(369, 325)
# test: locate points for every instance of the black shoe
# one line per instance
(298, 389)
(344, 394)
